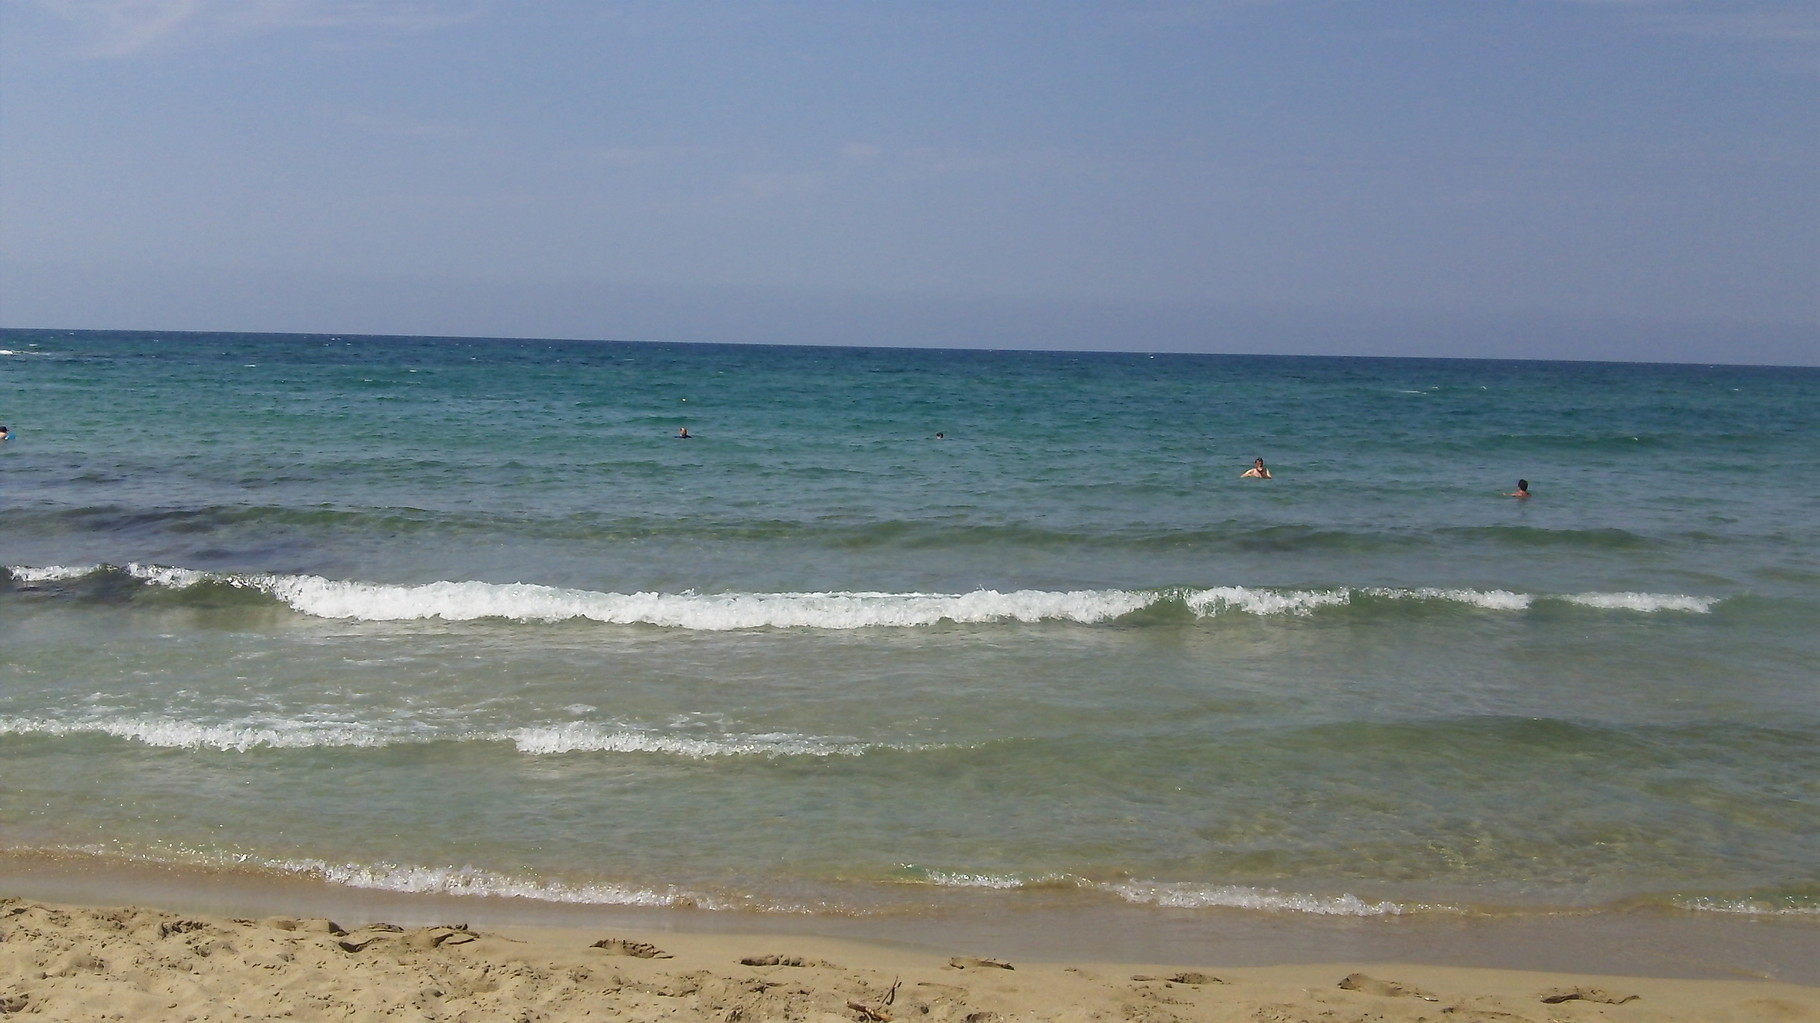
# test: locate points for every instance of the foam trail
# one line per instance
(178, 578)
(536, 740)
(1749, 907)
(1189, 896)
(1210, 602)
(48, 574)
(461, 601)
(1644, 602)
(1491, 600)
(176, 734)
(475, 882)
(468, 601)
(993, 882)
(587, 737)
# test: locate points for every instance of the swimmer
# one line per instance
(683, 434)
(940, 436)
(5, 434)
(1522, 491)
(1256, 472)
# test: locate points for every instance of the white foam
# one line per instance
(47, 574)
(1747, 907)
(589, 737)
(1491, 600)
(1210, 602)
(1505, 600)
(175, 578)
(460, 601)
(1190, 896)
(994, 882)
(961, 879)
(537, 740)
(472, 881)
(1644, 602)
(469, 601)
(176, 734)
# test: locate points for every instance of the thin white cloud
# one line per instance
(1784, 34)
(113, 28)
(119, 28)
(1788, 37)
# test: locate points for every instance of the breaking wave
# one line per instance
(461, 601)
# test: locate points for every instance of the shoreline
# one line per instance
(1642, 942)
(149, 942)
(65, 961)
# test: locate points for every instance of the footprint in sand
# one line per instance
(785, 961)
(421, 939)
(1383, 988)
(1585, 994)
(976, 962)
(438, 937)
(622, 947)
(1189, 977)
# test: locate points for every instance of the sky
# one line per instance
(1634, 180)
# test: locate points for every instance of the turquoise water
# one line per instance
(465, 616)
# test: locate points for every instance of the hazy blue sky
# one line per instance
(1631, 179)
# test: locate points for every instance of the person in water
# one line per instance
(1256, 472)
(5, 434)
(1522, 491)
(683, 434)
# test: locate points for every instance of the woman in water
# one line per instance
(1256, 472)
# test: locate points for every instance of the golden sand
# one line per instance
(62, 962)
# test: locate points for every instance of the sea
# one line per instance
(912, 634)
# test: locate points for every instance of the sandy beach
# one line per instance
(65, 962)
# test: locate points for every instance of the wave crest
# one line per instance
(463, 601)
(1643, 602)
